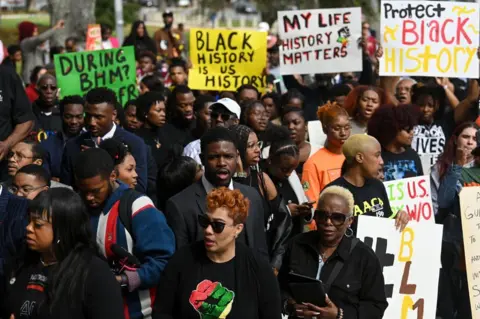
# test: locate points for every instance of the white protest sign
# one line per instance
(412, 195)
(320, 41)
(470, 209)
(411, 264)
(429, 38)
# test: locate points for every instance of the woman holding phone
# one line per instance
(349, 270)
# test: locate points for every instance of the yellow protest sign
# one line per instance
(223, 60)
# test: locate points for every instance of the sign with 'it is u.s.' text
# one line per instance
(320, 41)
(430, 38)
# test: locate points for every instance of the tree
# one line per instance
(78, 14)
(269, 8)
(105, 12)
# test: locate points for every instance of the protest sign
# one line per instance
(94, 38)
(79, 72)
(224, 60)
(470, 210)
(429, 38)
(320, 41)
(412, 195)
(411, 264)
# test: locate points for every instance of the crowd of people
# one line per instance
(202, 204)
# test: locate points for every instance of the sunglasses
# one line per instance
(337, 219)
(225, 117)
(217, 226)
(45, 87)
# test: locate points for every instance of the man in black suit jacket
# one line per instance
(100, 113)
(219, 156)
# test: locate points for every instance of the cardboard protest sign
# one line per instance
(224, 60)
(320, 41)
(411, 264)
(412, 195)
(79, 72)
(94, 38)
(430, 38)
(470, 209)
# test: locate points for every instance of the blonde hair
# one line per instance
(356, 144)
(340, 192)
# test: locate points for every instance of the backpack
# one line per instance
(125, 212)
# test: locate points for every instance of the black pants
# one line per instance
(453, 299)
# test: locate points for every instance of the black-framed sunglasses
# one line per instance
(217, 226)
(338, 219)
(47, 86)
(215, 115)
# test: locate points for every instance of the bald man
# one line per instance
(45, 108)
(360, 172)
(402, 90)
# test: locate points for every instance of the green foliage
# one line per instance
(105, 12)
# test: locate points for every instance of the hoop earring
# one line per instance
(349, 232)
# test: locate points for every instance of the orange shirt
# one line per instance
(319, 170)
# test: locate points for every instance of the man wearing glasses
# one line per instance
(48, 120)
(225, 112)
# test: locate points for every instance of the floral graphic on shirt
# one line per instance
(212, 300)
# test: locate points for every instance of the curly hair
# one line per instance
(328, 112)
(352, 99)
(388, 120)
(233, 200)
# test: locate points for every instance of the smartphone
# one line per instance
(88, 142)
(278, 87)
(309, 203)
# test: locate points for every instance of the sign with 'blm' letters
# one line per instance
(411, 264)
(320, 41)
(79, 72)
(224, 60)
(430, 38)
(470, 209)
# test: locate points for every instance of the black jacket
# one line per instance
(359, 287)
(182, 212)
(256, 292)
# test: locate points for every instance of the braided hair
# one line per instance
(242, 132)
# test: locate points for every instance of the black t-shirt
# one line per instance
(15, 107)
(429, 140)
(371, 199)
(404, 165)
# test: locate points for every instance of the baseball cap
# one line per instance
(229, 104)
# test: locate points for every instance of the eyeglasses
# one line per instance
(217, 226)
(337, 219)
(215, 115)
(253, 145)
(47, 86)
(17, 156)
(26, 190)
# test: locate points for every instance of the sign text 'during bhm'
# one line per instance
(320, 41)
(79, 72)
(430, 38)
(410, 262)
(224, 60)
(470, 208)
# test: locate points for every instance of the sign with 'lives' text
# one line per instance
(413, 196)
(320, 41)
(411, 264)
(79, 72)
(224, 60)
(470, 209)
(430, 38)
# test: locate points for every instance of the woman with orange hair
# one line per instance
(325, 165)
(361, 103)
(218, 277)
